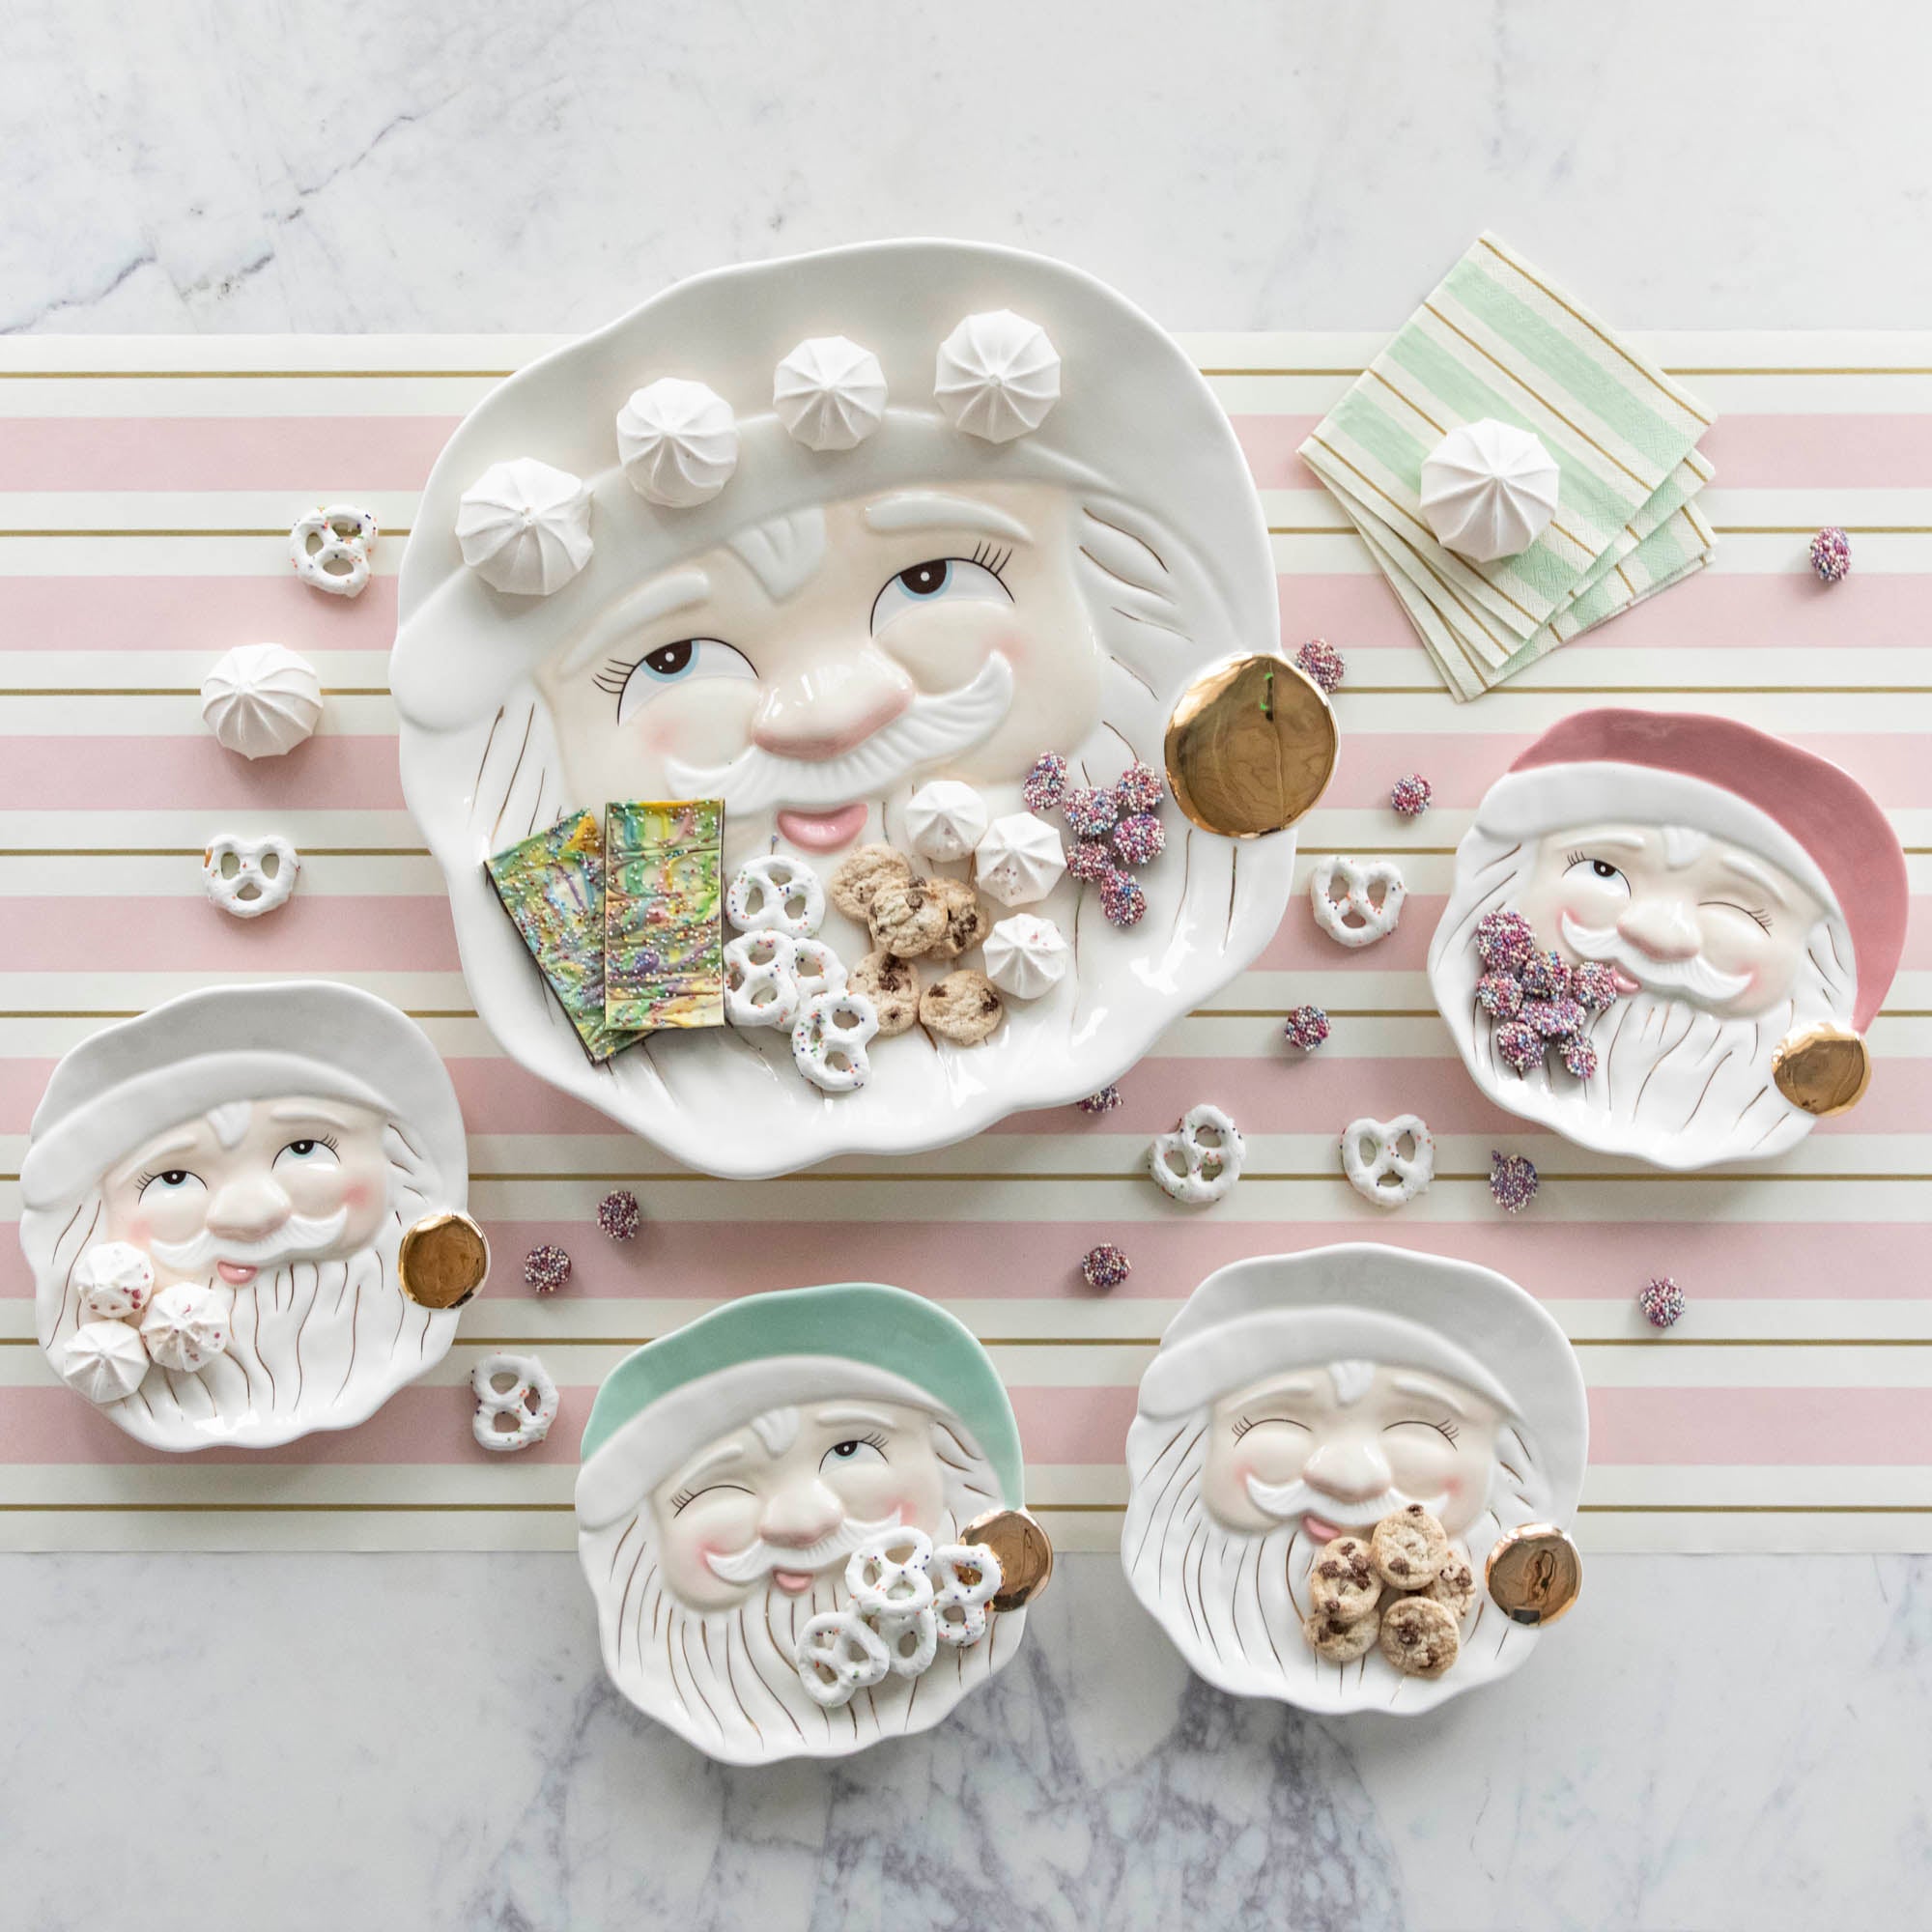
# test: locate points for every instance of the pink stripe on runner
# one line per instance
(1755, 1428)
(192, 772)
(191, 613)
(328, 457)
(1040, 1261)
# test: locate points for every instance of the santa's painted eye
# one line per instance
(1597, 872)
(942, 580)
(318, 1152)
(169, 1180)
(859, 1449)
(635, 682)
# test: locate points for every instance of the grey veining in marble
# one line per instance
(429, 1742)
(537, 164)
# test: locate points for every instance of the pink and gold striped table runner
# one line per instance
(146, 490)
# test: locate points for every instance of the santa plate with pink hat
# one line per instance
(1668, 936)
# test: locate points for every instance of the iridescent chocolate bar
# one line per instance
(664, 948)
(553, 888)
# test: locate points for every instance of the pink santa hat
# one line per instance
(1791, 807)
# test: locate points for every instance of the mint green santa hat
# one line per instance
(767, 1352)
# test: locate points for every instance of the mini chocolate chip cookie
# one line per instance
(966, 923)
(859, 874)
(1418, 1637)
(1454, 1585)
(1340, 1640)
(907, 918)
(963, 1007)
(1341, 1582)
(1408, 1549)
(891, 984)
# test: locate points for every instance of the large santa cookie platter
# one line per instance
(801, 1520)
(1351, 1475)
(1668, 936)
(243, 1213)
(743, 623)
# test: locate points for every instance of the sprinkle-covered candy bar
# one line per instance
(663, 952)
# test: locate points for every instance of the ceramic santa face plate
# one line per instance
(776, 1514)
(994, 513)
(214, 1200)
(1299, 1397)
(1731, 908)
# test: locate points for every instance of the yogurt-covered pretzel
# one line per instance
(1358, 918)
(761, 986)
(966, 1578)
(887, 1575)
(830, 1037)
(1211, 1151)
(1371, 1155)
(775, 891)
(527, 1395)
(840, 1654)
(330, 549)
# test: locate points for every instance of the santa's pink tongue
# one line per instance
(822, 831)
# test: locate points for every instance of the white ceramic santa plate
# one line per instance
(213, 1198)
(1299, 1397)
(1044, 531)
(1731, 906)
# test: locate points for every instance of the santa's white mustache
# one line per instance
(1697, 976)
(758, 1558)
(297, 1239)
(1286, 1500)
(931, 730)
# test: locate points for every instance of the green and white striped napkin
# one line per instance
(1497, 339)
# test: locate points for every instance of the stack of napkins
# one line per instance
(1497, 339)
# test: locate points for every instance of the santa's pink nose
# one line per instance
(827, 707)
(800, 1514)
(248, 1210)
(1352, 1471)
(1663, 928)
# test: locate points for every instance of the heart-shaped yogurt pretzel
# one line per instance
(911, 1642)
(1378, 1169)
(516, 1387)
(1358, 918)
(249, 876)
(330, 549)
(775, 891)
(839, 1654)
(830, 1037)
(761, 986)
(1209, 1150)
(887, 1575)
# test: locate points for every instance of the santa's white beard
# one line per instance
(1241, 1597)
(1675, 1082)
(728, 1680)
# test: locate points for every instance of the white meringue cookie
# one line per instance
(260, 700)
(678, 440)
(945, 819)
(114, 1280)
(104, 1360)
(1019, 860)
(186, 1326)
(525, 526)
(830, 393)
(1489, 489)
(1026, 956)
(998, 376)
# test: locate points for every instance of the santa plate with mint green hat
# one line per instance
(803, 1520)
(807, 537)
(1668, 936)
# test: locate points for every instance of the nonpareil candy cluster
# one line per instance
(1116, 829)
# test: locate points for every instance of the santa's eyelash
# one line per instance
(1757, 915)
(1575, 858)
(681, 1499)
(615, 675)
(1446, 1430)
(991, 557)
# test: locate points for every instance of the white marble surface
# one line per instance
(428, 1742)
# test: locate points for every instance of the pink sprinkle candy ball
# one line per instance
(1044, 782)
(1123, 900)
(1519, 1046)
(1139, 788)
(1090, 862)
(1102, 1102)
(1090, 811)
(1320, 661)
(1411, 796)
(619, 1215)
(1544, 977)
(1512, 1181)
(1306, 1027)
(1662, 1301)
(1504, 942)
(1105, 1266)
(1594, 984)
(546, 1267)
(1831, 554)
(1499, 995)
(1140, 840)
(1580, 1057)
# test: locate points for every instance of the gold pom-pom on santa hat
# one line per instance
(1825, 1069)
